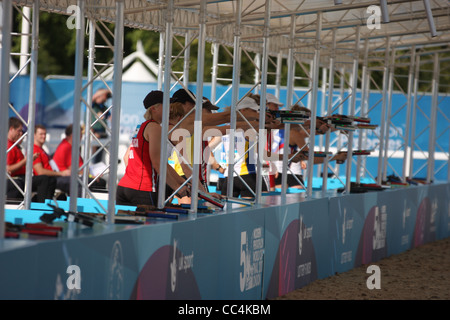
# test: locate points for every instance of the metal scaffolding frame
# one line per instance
(331, 36)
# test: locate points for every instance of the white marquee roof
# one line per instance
(408, 23)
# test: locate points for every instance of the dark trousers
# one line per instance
(241, 189)
(131, 197)
(44, 186)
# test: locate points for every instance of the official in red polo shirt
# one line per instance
(63, 153)
(41, 165)
(44, 185)
(63, 160)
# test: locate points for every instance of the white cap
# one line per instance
(248, 102)
(270, 98)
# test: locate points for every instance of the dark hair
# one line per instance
(39, 126)
(255, 97)
(15, 123)
(68, 131)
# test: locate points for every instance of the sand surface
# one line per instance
(422, 273)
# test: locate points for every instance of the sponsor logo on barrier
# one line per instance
(179, 263)
(347, 225)
(252, 255)
(379, 228)
(304, 234)
(434, 209)
(374, 280)
(406, 215)
(115, 283)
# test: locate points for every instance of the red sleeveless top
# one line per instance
(139, 173)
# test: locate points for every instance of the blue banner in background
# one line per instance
(54, 107)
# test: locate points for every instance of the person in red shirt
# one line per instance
(63, 153)
(42, 166)
(139, 185)
(43, 185)
(62, 159)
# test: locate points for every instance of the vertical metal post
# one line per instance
(364, 99)
(77, 106)
(117, 98)
(24, 39)
(430, 18)
(315, 81)
(352, 111)
(162, 39)
(329, 109)
(414, 115)
(234, 96)
(433, 118)
(32, 104)
(384, 11)
(187, 58)
(289, 96)
(262, 136)
(198, 136)
(340, 110)
(166, 105)
(4, 99)
(320, 167)
(278, 75)
(257, 71)
(383, 112)
(215, 70)
(408, 112)
(90, 76)
(388, 114)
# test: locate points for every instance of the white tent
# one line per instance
(137, 67)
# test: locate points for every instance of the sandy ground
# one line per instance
(419, 274)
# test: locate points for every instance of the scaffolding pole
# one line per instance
(315, 81)
(90, 77)
(387, 134)
(352, 112)
(262, 136)
(76, 131)
(408, 112)
(117, 98)
(166, 104)
(433, 119)
(234, 96)
(32, 104)
(383, 112)
(198, 136)
(289, 102)
(4, 98)
(329, 110)
(363, 111)
(414, 115)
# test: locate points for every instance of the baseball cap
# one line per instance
(183, 96)
(154, 97)
(270, 98)
(247, 102)
(208, 104)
